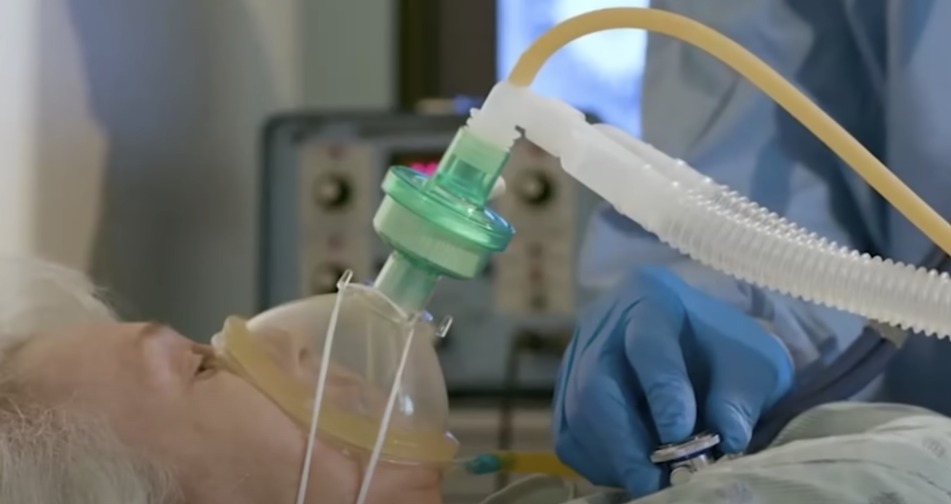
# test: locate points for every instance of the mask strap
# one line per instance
(321, 385)
(385, 423)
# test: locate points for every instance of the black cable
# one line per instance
(507, 403)
(861, 363)
(857, 371)
(524, 342)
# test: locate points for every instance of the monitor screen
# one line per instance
(423, 162)
(598, 74)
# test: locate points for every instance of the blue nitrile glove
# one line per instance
(654, 362)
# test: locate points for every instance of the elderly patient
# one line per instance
(97, 411)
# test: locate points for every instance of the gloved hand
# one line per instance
(654, 362)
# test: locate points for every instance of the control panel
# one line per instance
(334, 190)
(536, 274)
(321, 177)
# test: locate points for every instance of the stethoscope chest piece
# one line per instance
(686, 458)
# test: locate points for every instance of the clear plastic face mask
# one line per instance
(371, 370)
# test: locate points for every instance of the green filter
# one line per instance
(439, 225)
(408, 284)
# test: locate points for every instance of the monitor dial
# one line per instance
(534, 188)
(331, 191)
(323, 279)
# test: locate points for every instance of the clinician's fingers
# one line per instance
(733, 404)
(615, 420)
(747, 369)
(576, 454)
(652, 346)
(570, 440)
(601, 409)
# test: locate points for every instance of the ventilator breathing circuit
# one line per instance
(440, 225)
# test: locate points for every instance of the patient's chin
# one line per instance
(338, 472)
(394, 483)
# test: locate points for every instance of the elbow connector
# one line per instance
(547, 122)
(622, 176)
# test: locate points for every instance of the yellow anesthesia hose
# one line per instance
(771, 82)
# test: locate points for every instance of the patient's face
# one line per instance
(227, 441)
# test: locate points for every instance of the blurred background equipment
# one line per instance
(52, 150)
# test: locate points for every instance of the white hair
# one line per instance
(50, 455)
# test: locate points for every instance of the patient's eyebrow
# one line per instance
(149, 329)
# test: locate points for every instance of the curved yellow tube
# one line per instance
(756, 71)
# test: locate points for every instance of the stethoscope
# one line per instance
(852, 372)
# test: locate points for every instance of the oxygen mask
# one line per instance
(369, 367)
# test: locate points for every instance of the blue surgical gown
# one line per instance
(882, 69)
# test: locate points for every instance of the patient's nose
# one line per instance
(289, 351)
